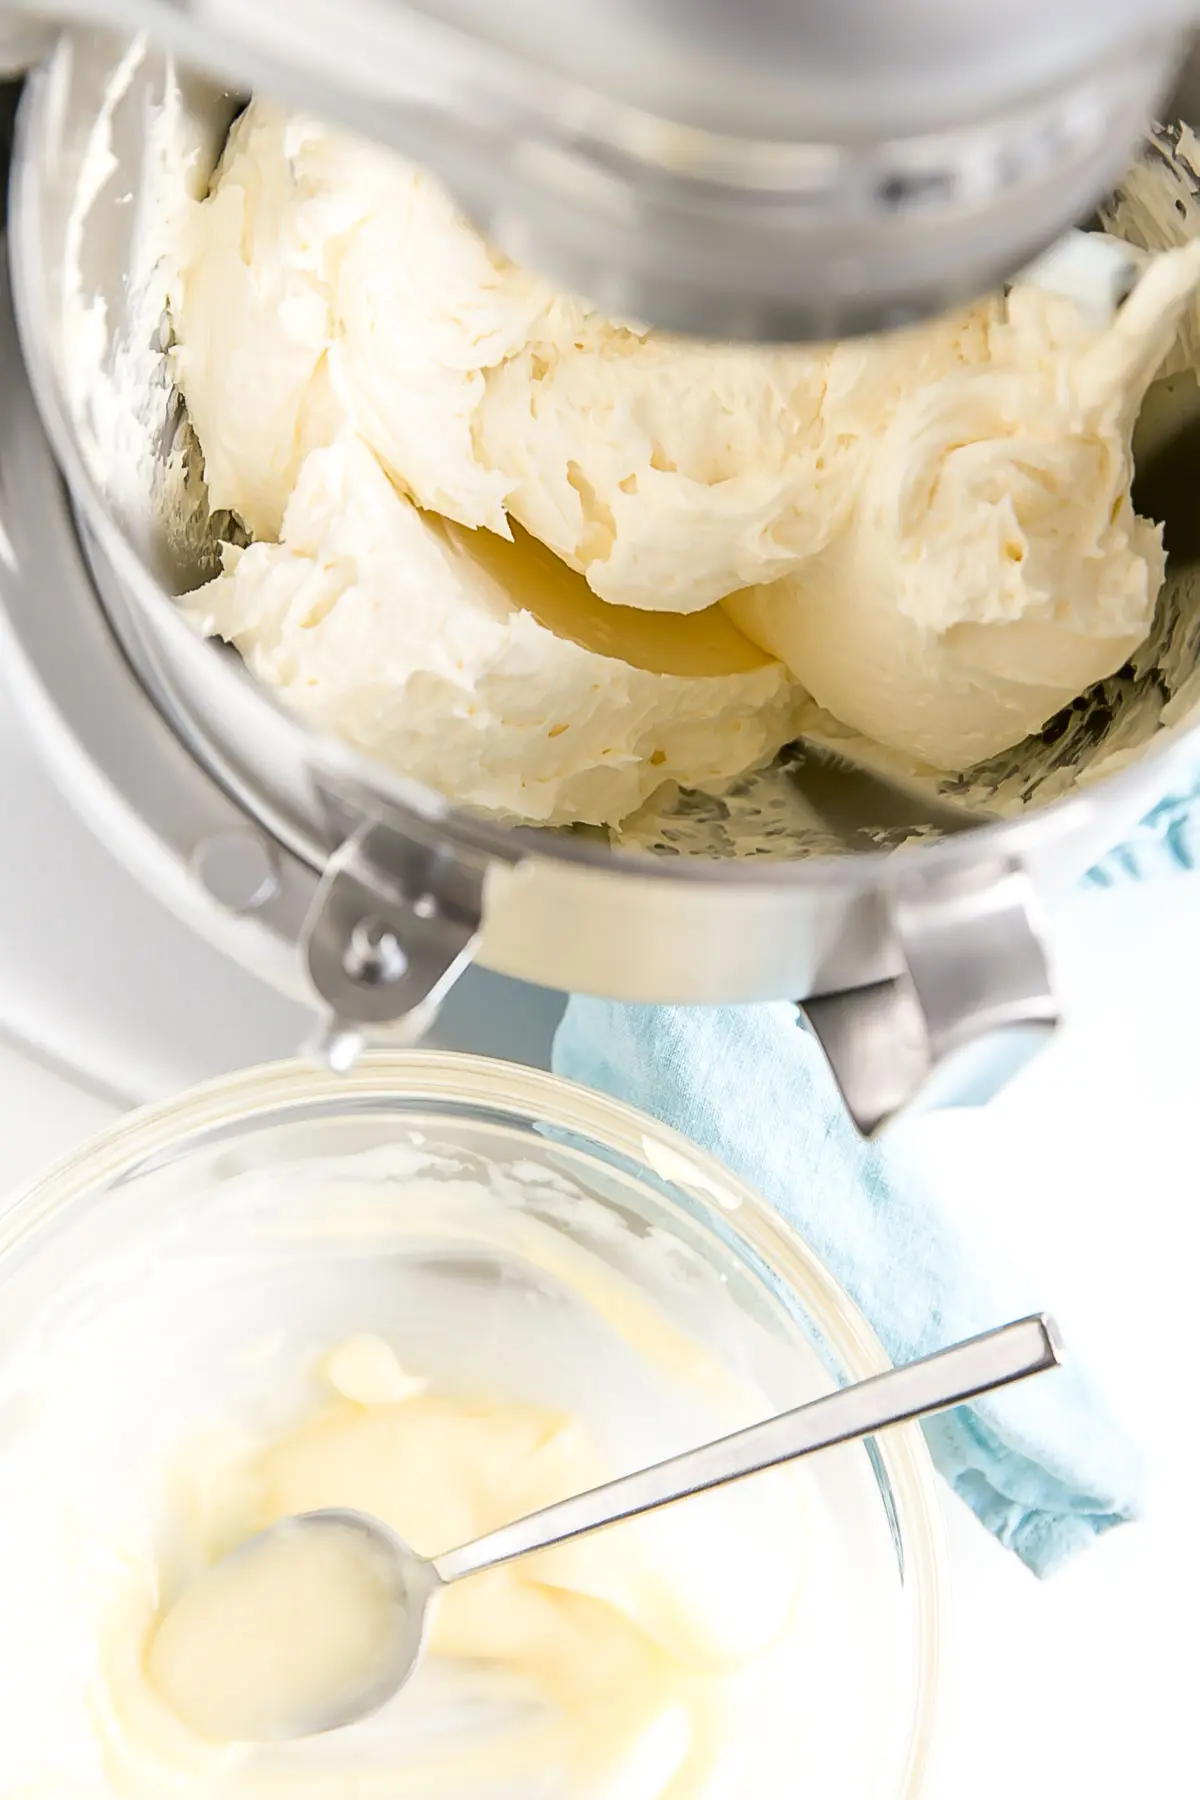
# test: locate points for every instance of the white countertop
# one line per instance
(1083, 1685)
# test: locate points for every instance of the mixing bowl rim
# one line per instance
(467, 832)
(449, 1079)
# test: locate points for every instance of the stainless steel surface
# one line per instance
(1165, 488)
(238, 868)
(768, 172)
(412, 1583)
(164, 732)
(974, 1002)
(387, 939)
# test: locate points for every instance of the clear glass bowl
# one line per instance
(202, 1245)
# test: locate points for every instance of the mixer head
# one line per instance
(778, 169)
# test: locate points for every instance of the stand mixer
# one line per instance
(788, 172)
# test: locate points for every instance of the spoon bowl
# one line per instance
(409, 1584)
(303, 1628)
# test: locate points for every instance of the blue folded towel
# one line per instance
(1042, 1465)
(1167, 840)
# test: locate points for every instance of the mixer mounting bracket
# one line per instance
(383, 943)
(973, 1002)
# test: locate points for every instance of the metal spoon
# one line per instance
(376, 1566)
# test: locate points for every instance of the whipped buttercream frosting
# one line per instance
(929, 536)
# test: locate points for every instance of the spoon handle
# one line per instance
(932, 1385)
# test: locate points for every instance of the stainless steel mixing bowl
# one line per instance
(334, 876)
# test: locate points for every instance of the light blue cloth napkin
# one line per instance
(1167, 840)
(1042, 1466)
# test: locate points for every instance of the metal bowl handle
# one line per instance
(972, 1002)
